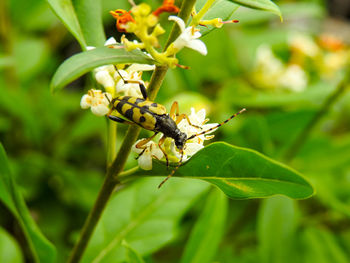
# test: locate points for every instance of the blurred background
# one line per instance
(282, 73)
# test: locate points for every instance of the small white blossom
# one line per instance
(104, 74)
(97, 101)
(129, 89)
(191, 147)
(303, 44)
(104, 78)
(267, 62)
(194, 145)
(188, 37)
(150, 150)
(334, 61)
(294, 78)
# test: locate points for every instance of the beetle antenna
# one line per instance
(173, 171)
(217, 126)
(115, 67)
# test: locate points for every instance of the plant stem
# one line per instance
(92, 219)
(305, 133)
(111, 142)
(202, 12)
(184, 14)
(111, 179)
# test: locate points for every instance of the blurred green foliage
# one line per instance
(57, 151)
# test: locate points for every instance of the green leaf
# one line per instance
(90, 19)
(9, 249)
(65, 12)
(81, 63)
(220, 9)
(131, 254)
(276, 227)
(240, 173)
(147, 218)
(265, 5)
(41, 249)
(208, 230)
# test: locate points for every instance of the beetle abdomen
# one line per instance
(139, 111)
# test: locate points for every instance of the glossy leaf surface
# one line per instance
(265, 5)
(208, 230)
(65, 11)
(84, 62)
(241, 173)
(148, 220)
(41, 249)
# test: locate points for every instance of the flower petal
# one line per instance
(157, 153)
(85, 102)
(193, 148)
(145, 161)
(197, 45)
(104, 78)
(100, 110)
(111, 41)
(179, 21)
(140, 67)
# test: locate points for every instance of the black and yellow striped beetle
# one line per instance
(153, 116)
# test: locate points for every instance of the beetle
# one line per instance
(153, 116)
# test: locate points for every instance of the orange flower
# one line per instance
(331, 43)
(167, 6)
(123, 17)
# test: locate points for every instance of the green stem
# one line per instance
(92, 219)
(117, 166)
(129, 172)
(111, 142)
(305, 133)
(204, 10)
(184, 14)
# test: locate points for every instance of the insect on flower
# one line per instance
(153, 117)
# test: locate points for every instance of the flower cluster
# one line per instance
(144, 24)
(198, 124)
(118, 80)
(111, 80)
(324, 56)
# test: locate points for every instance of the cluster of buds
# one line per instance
(144, 23)
(325, 56)
(112, 82)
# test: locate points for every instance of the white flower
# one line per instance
(303, 44)
(128, 89)
(334, 61)
(149, 150)
(294, 78)
(104, 78)
(188, 37)
(109, 41)
(140, 67)
(104, 74)
(267, 62)
(96, 99)
(194, 145)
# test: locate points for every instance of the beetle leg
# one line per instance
(120, 120)
(141, 85)
(184, 116)
(161, 141)
(174, 110)
(141, 143)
